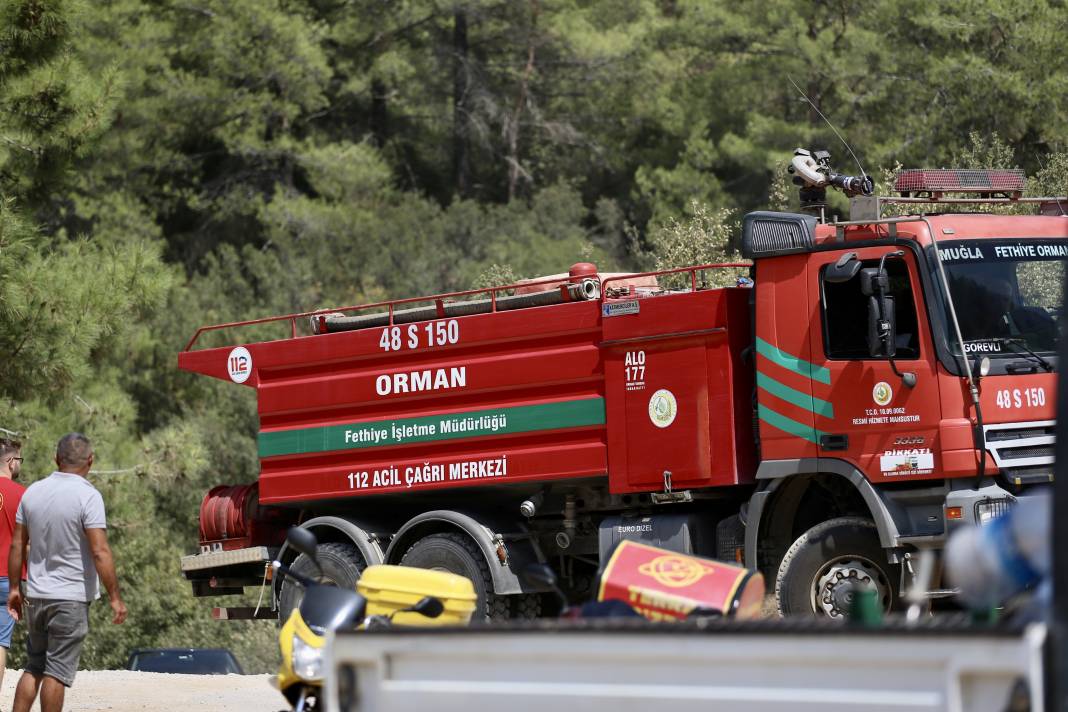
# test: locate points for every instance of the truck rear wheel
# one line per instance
(341, 563)
(526, 606)
(829, 564)
(457, 554)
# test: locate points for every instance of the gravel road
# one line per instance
(123, 691)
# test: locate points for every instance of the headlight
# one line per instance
(307, 661)
(990, 509)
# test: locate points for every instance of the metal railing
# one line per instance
(439, 299)
(678, 270)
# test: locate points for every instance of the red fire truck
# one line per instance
(868, 385)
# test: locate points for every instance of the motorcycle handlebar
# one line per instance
(299, 578)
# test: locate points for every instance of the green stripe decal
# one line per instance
(792, 395)
(793, 363)
(402, 431)
(788, 425)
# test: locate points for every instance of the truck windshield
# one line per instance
(1007, 295)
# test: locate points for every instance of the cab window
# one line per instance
(845, 315)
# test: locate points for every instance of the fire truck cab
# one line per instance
(864, 370)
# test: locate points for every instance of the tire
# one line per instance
(526, 606)
(457, 554)
(730, 538)
(341, 563)
(828, 564)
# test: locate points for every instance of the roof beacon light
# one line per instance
(1008, 183)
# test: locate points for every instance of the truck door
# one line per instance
(868, 416)
(786, 377)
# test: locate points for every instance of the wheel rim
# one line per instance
(837, 583)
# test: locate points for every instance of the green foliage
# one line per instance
(703, 239)
(170, 164)
(984, 152)
(58, 306)
(494, 276)
(51, 108)
(1052, 179)
(61, 295)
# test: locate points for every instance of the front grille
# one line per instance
(1019, 453)
(1021, 445)
(1018, 433)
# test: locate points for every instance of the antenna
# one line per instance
(863, 173)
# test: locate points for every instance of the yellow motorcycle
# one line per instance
(386, 595)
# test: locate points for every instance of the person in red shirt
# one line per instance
(10, 495)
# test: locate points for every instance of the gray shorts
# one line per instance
(54, 634)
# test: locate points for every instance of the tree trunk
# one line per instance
(512, 127)
(379, 118)
(461, 162)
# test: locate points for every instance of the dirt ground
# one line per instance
(123, 691)
(126, 691)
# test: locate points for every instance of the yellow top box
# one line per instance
(392, 588)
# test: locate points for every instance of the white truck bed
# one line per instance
(607, 666)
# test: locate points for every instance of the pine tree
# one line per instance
(61, 293)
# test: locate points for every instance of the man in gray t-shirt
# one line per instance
(62, 518)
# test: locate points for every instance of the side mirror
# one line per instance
(303, 541)
(874, 281)
(882, 327)
(882, 320)
(429, 606)
(843, 270)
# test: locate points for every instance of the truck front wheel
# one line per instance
(829, 564)
(341, 563)
(457, 554)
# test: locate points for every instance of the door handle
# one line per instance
(834, 442)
